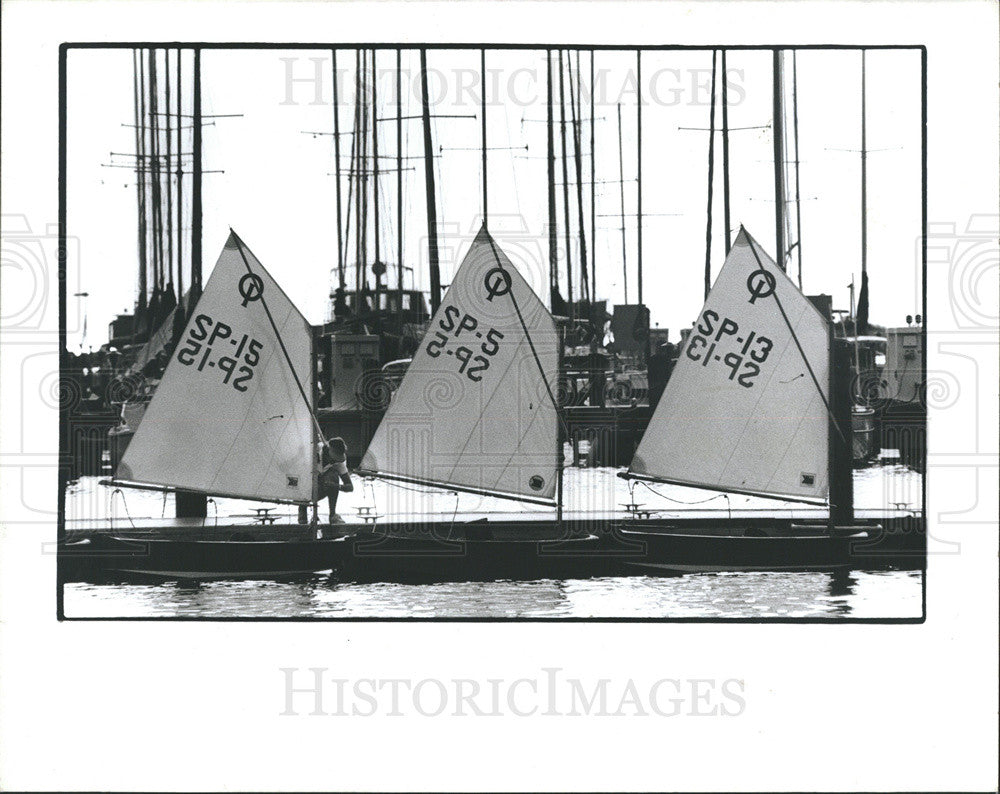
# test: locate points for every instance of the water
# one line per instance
(854, 594)
(858, 594)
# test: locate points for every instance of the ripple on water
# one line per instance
(856, 594)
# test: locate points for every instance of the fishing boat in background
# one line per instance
(231, 417)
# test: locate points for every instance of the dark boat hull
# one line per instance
(477, 551)
(687, 551)
(197, 559)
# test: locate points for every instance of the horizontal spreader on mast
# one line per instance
(458, 488)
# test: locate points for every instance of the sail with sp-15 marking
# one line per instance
(228, 417)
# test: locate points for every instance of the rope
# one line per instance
(454, 515)
(679, 501)
(124, 505)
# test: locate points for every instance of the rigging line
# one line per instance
(240, 245)
(795, 338)
(678, 501)
(527, 336)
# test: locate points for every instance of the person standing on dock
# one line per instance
(334, 476)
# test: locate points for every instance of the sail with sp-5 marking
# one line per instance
(475, 410)
(228, 417)
(745, 409)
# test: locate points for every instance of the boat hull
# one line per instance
(122, 556)
(789, 549)
(484, 551)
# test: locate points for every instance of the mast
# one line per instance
(725, 153)
(356, 168)
(864, 194)
(779, 163)
(574, 99)
(154, 161)
(139, 80)
(399, 174)
(795, 129)
(180, 192)
(336, 159)
(593, 192)
(638, 111)
(621, 188)
(482, 113)
(565, 177)
(196, 183)
(432, 241)
(551, 163)
(375, 227)
(711, 175)
(168, 170)
(363, 172)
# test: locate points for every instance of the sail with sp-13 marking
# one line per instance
(745, 409)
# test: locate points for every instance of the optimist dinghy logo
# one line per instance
(251, 288)
(497, 282)
(761, 284)
(537, 482)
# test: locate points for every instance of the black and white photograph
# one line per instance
(534, 332)
(336, 329)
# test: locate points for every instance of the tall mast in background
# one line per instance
(779, 162)
(196, 183)
(432, 241)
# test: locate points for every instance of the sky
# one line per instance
(272, 179)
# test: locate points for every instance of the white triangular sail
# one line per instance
(228, 417)
(475, 410)
(742, 412)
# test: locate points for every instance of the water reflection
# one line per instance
(883, 594)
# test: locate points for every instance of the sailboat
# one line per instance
(232, 417)
(753, 407)
(748, 410)
(477, 413)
